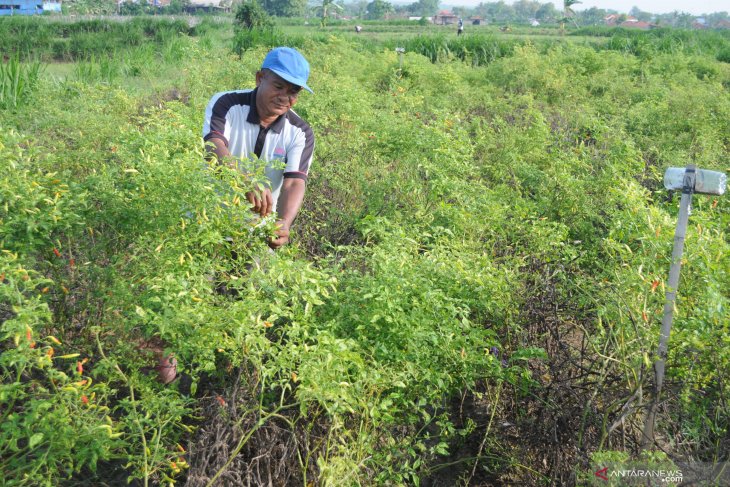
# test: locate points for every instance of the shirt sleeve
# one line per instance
(215, 125)
(299, 154)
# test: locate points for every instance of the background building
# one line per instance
(21, 7)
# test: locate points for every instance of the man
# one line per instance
(261, 122)
(460, 30)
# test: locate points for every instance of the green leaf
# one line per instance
(34, 440)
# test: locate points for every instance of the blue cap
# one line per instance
(289, 64)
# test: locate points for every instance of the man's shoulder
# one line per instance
(294, 119)
(226, 92)
(233, 97)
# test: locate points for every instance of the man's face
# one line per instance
(275, 96)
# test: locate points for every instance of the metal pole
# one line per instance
(400, 51)
(688, 186)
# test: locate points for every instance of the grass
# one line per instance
(17, 80)
(59, 40)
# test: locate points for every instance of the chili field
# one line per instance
(472, 294)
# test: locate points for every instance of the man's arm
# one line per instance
(290, 201)
(299, 157)
(218, 147)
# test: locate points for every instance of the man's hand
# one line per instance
(261, 201)
(282, 236)
(292, 193)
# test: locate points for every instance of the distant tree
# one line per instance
(684, 20)
(250, 15)
(591, 16)
(714, 18)
(547, 12)
(525, 10)
(129, 8)
(425, 8)
(666, 20)
(504, 12)
(378, 9)
(356, 8)
(91, 7)
(285, 8)
(177, 6)
(496, 12)
(400, 8)
(639, 14)
(462, 12)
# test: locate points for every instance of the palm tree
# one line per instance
(324, 9)
(568, 14)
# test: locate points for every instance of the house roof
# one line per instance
(615, 17)
(636, 24)
(207, 3)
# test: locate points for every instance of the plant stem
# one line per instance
(133, 401)
(486, 433)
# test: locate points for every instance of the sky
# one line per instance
(657, 6)
(695, 7)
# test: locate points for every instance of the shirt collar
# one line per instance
(253, 116)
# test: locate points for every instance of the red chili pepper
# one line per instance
(80, 367)
(84, 399)
(2, 277)
(220, 400)
(72, 262)
(55, 251)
